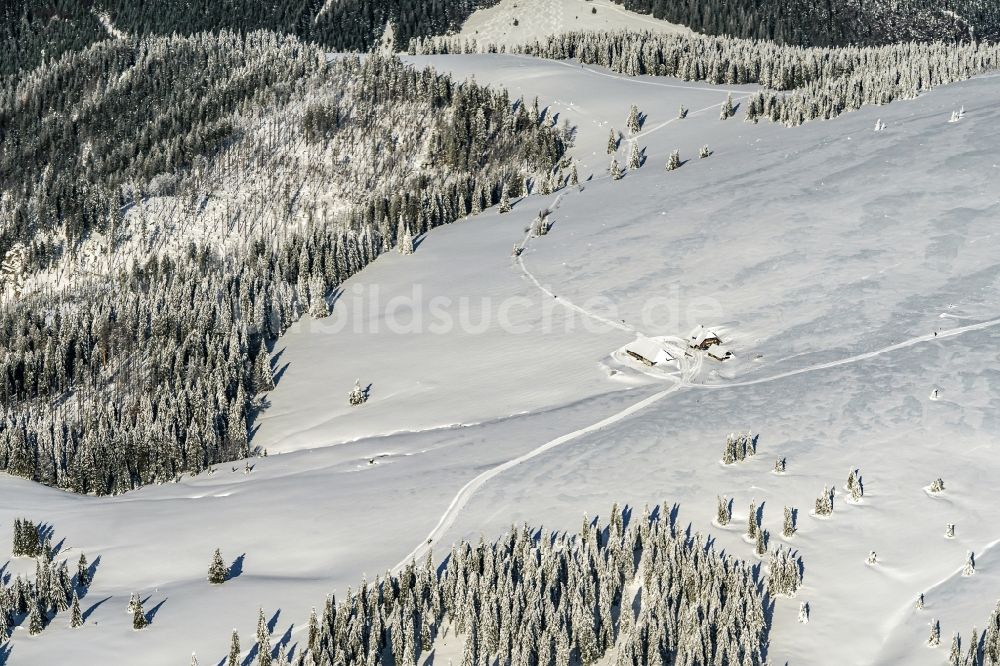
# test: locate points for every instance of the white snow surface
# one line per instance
(828, 256)
(537, 19)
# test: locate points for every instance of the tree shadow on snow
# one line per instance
(151, 613)
(236, 568)
(418, 241)
(90, 611)
(280, 373)
(272, 624)
(5, 651)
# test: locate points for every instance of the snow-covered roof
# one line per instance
(650, 350)
(700, 334)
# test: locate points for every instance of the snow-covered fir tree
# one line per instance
(723, 511)
(727, 108)
(674, 161)
(635, 157)
(76, 615)
(218, 572)
(788, 527)
(139, 620)
(234, 650)
(615, 170)
(633, 124)
(613, 140)
(358, 395)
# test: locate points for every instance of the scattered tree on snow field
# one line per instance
(574, 177)
(784, 572)
(82, 571)
(724, 511)
(937, 486)
(635, 157)
(234, 650)
(357, 396)
(76, 616)
(613, 142)
(752, 527)
(955, 654)
(727, 109)
(704, 152)
(218, 572)
(949, 531)
(872, 558)
(139, 620)
(970, 564)
(855, 486)
(779, 466)
(505, 206)
(615, 170)
(920, 602)
(934, 639)
(27, 541)
(788, 529)
(739, 447)
(674, 162)
(263, 641)
(633, 122)
(760, 545)
(824, 503)
(804, 612)
(683, 113)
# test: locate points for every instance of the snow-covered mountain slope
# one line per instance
(513, 22)
(851, 272)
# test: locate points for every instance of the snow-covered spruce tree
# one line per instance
(674, 162)
(949, 531)
(76, 615)
(704, 152)
(752, 526)
(727, 109)
(991, 639)
(824, 503)
(218, 572)
(82, 571)
(357, 396)
(937, 486)
(505, 206)
(635, 157)
(318, 307)
(804, 612)
(194, 659)
(919, 605)
(682, 113)
(139, 620)
(779, 466)
(723, 511)
(760, 545)
(263, 375)
(234, 650)
(970, 564)
(955, 653)
(788, 528)
(574, 176)
(934, 639)
(613, 141)
(404, 242)
(36, 618)
(263, 641)
(614, 169)
(133, 603)
(632, 124)
(784, 572)
(872, 558)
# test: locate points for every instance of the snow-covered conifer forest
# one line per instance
(276, 390)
